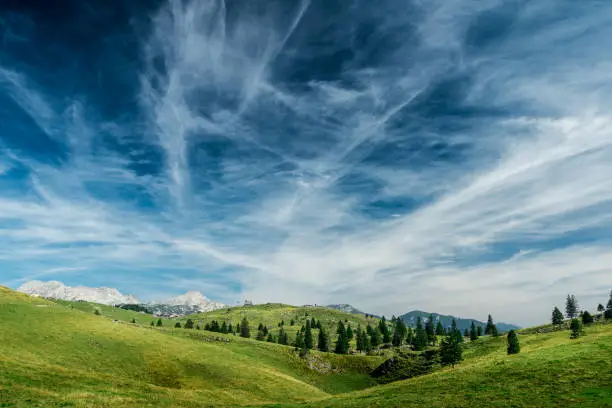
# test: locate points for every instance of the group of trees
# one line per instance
(579, 318)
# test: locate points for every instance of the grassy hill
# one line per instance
(61, 354)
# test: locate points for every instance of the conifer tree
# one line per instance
(260, 327)
(399, 332)
(571, 307)
(455, 332)
(608, 312)
(238, 330)
(260, 335)
(342, 344)
(513, 343)
(358, 340)
(430, 329)
(292, 322)
(489, 327)
(369, 330)
(189, 324)
(384, 330)
(230, 329)
(576, 329)
(450, 349)
(479, 330)
(308, 340)
(557, 316)
(473, 332)
(587, 318)
(375, 338)
(265, 330)
(349, 333)
(440, 329)
(133, 320)
(177, 325)
(270, 338)
(159, 322)
(367, 344)
(245, 331)
(600, 309)
(323, 342)
(410, 337)
(420, 336)
(152, 323)
(282, 337)
(97, 312)
(299, 340)
(494, 331)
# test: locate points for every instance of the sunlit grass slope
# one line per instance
(54, 355)
(550, 371)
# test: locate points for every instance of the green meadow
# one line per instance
(62, 354)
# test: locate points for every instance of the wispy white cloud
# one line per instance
(509, 226)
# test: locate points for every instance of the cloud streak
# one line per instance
(447, 156)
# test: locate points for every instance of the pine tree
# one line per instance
(230, 329)
(375, 338)
(323, 342)
(270, 338)
(349, 333)
(133, 320)
(245, 331)
(97, 312)
(369, 330)
(576, 329)
(260, 327)
(260, 335)
(177, 325)
(489, 327)
(494, 331)
(557, 316)
(189, 324)
(152, 323)
(367, 344)
(308, 340)
(608, 312)
(299, 340)
(513, 343)
(399, 332)
(159, 322)
(282, 337)
(600, 309)
(430, 329)
(420, 336)
(479, 331)
(571, 307)
(410, 337)
(342, 344)
(292, 322)
(265, 330)
(473, 332)
(587, 318)
(450, 349)
(440, 329)
(384, 330)
(358, 339)
(223, 328)
(238, 330)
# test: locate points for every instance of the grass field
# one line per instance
(56, 354)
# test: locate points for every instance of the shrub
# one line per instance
(513, 343)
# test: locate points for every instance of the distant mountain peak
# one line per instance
(57, 290)
(345, 307)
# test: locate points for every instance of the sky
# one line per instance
(444, 155)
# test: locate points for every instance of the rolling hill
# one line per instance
(61, 353)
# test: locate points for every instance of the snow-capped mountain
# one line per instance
(57, 290)
(193, 298)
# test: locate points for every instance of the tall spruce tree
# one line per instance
(490, 324)
(430, 329)
(571, 307)
(557, 316)
(473, 332)
(270, 338)
(367, 344)
(245, 331)
(323, 342)
(513, 343)
(608, 312)
(576, 328)
(440, 329)
(342, 344)
(384, 330)
(308, 340)
(159, 322)
(189, 324)
(420, 337)
(282, 337)
(399, 332)
(450, 349)
(375, 338)
(299, 340)
(410, 337)
(349, 332)
(224, 328)
(260, 335)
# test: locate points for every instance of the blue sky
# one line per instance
(453, 156)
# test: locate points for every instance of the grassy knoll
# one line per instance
(54, 355)
(550, 371)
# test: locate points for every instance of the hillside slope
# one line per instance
(550, 371)
(52, 355)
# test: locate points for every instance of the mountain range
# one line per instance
(188, 303)
(410, 319)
